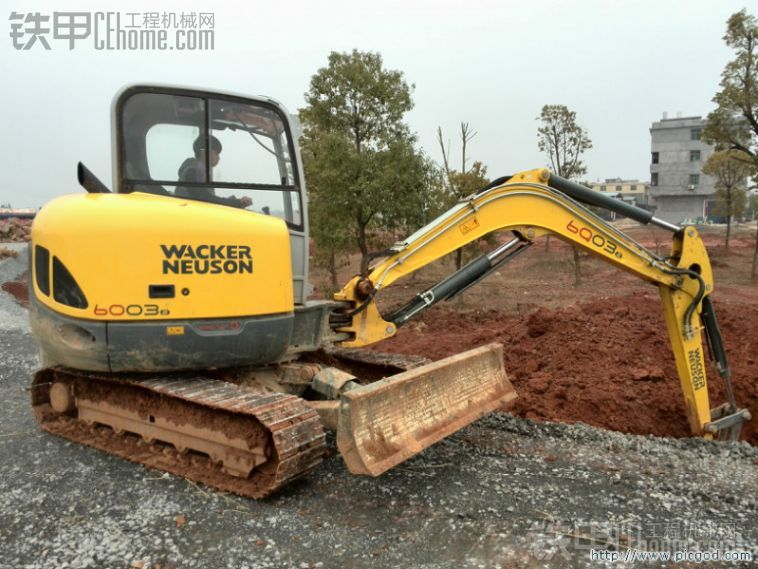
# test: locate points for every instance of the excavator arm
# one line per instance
(535, 203)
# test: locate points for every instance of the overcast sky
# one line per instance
(618, 64)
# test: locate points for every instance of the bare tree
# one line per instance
(463, 182)
(466, 136)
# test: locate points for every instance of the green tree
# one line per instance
(330, 226)
(470, 181)
(734, 123)
(361, 161)
(730, 169)
(752, 207)
(564, 142)
(434, 198)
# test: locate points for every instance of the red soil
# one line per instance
(19, 290)
(606, 362)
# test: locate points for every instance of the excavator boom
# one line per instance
(537, 203)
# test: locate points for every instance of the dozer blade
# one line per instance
(382, 424)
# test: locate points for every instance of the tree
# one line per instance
(463, 182)
(361, 161)
(734, 123)
(330, 226)
(564, 142)
(730, 168)
(752, 207)
(471, 181)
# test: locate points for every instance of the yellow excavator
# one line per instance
(174, 325)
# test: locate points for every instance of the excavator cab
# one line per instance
(197, 260)
(160, 137)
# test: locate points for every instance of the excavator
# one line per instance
(175, 329)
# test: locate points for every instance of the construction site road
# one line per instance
(504, 492)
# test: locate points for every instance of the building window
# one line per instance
(618, 188)
(633, 188)
(602, 188)
(694, 179)
(654, 179)
(655, 158)
(696, 133)
(694, 156)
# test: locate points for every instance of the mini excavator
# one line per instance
(173, 322)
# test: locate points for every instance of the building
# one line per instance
(630, 191)
(678, 188)
(10, 213)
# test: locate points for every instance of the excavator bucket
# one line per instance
(384, 423)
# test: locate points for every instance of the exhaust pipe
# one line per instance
(89, 181)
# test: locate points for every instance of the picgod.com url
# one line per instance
(633, 555)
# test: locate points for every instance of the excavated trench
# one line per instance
(607, 363)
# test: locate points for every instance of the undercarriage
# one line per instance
(251, 431)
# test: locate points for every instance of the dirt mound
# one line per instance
(6, 253)
(15, 229)
(19, 290)
(607, 363)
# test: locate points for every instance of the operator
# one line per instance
(193, 170)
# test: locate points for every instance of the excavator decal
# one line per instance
(696, 367)
(603, 243)
(130, 310)
(206, 259)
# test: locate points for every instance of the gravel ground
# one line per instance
(18, 247)
(504, 492)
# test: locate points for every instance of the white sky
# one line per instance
(618, 64)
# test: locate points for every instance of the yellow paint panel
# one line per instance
(222, 261)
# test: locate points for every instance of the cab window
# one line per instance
(231, 152)
(166, 149)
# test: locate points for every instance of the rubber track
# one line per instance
(294, 430)
(379, 359)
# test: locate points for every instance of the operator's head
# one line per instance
(199, 147)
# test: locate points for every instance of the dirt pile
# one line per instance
(6, 253)
(15, 230)
(19, 290)
(607, 363)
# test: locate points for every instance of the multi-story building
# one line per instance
(678, 188)
(631, 191)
